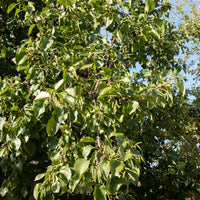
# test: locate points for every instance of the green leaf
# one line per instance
(3, 191)
(3, 53)
(70, 100)
(42, 95)
(181, 87)
(81, 165)
(133, 174)
(105, 91)
(46, 43)
(156, 34)
(105, 168)
(125, 80)
(52, 127)
(86, 150)
(149, 5)
(119, 35)
(87, 140)
(23, 60)
(2, 122)
(36, 190)
(39, 177)
(181, 165)
(59, 84)
(39, 107)
(55, 155)
(56, 187)
(116, 167)
(31, 28)
(108, 22)
(86, 66)
(133, 106)
(17, 144)
(114, 185)
(71, 92)
(99, 193)
(66, 171)
(74, 182)
(11, 7)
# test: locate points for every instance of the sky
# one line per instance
(175, 17)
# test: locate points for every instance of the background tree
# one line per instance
(77, 118)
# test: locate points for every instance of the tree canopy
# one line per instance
(92, 101)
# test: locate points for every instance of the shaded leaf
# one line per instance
(52, 127)
(99, 193)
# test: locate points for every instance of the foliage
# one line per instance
(77, 119)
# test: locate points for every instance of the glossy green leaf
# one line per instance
(59, 84)
(86, 150)
(56, 187)
(42, 95)
(23, 60)
(66, 171)
(39, 177)
(36, 190)
(156, 34)
(16, 144)
(46, 43)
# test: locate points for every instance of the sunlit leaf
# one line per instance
(11, 7)
(42, 95)
(81, 165)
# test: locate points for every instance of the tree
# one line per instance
(77, 118)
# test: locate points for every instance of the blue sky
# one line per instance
(175, 17)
